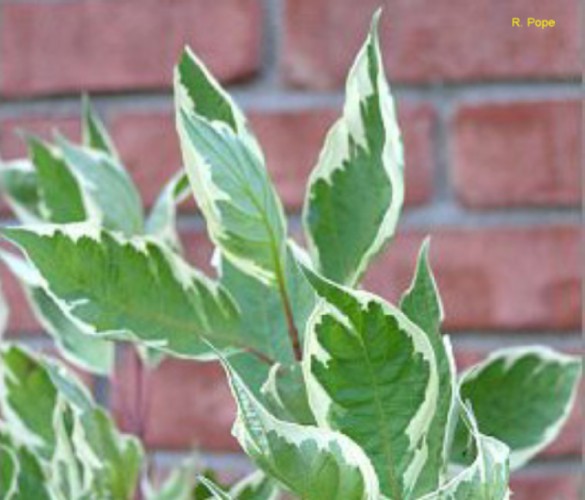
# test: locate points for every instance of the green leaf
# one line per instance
(61, 198)
(31, 482)
(311, 462)
(372, 374)
(179, 485)
(27, 399)
(111, 196)
(488, 475)
(20, 186)
(9, 472)
(262, 321)
(93, 132)
(422, 305)
(115, 459)
(162, 221)
(285, 394)
(356, 191)
(216, 491)
(521, 396)
(88, 352)
(113, 286)
(245, 218)
(256, 486)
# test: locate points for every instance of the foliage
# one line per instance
(340, 394)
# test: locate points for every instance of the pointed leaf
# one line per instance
(60, 194)
(216, 491)
(285, 394)
(20, 186)
(94, 132)
(488, 475)
(111, 195)
(362, 154)
(422, 304)
(9, 472)
(90, 353)
(313, 463)
(245, 218)
(112, 285)
(27, 399)
(521, 396)
(372, 374)
(161, 222)
(262, 322)
(256, 486)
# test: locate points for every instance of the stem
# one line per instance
(292, 329)
(140, 407)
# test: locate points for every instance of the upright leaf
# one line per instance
(422, 304)
(112, 285)
(262, 321)
(372, 374)
(9, 472)
(94, 132)
(521, 396)
(256, 486)
(356, 191)
(19, 185)
(61, 198)
(111, 196)
(245, 218)
(311, 462)
(90, 353)
(487, 476)
(27, 399)
(161, 221)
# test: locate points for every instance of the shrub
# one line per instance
(340, 394)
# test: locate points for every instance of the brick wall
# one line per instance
(491, 122)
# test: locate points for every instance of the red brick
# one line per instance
(188, 405)
(291, 139)
(517, 154)
(542, 483)
(432, 40)
(511, 278)
(570, 440)
(61, 47)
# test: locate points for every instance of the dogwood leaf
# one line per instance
(311, 462)
(20, 187)
(372, 374)
(245, 218)
(521, 396)
(355, 193)
(422, 304)
(93, 131)
(111, 196)
(112, 285)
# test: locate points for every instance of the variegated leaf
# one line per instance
(262, 322)
(110, 194)
(98, 278)
(27, 400)
(90, 353)
(356, 191)
(256, 486)
(521, 396)
(93, 131)
(422, 304)
(311, 462)
(30, 480)
(19, 185)
(162, 220)
(61, 198)
(488, 475)
(9, 472)
(372, 374)
(244, 216)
